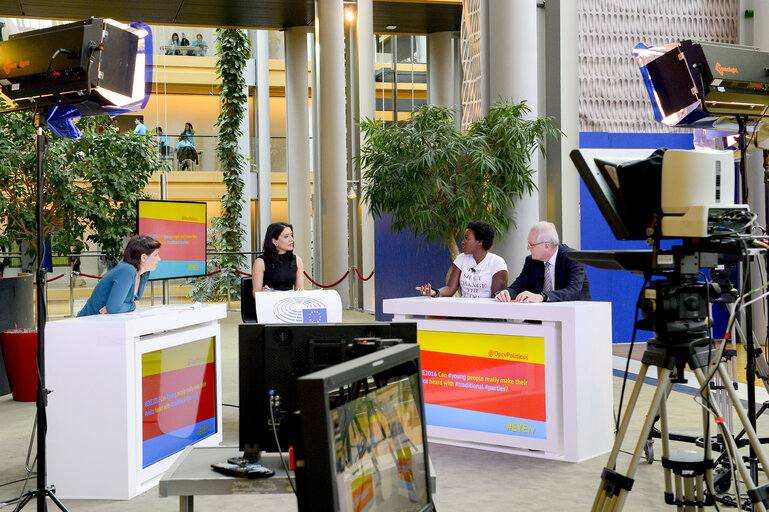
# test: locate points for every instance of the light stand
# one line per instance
(43, 490)
(97, 66)
(750, 368)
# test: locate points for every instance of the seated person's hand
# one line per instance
(425, 289)
(266, 289)
(530, 297)
(103, 310)
(503, 296)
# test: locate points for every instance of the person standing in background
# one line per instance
(200, 46)
(173, 42)
(186, 42)
(140, 129)
(163, 147)
(185, 149)
(187, 134)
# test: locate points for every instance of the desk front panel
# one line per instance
(492, 382)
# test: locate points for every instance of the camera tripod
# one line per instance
(688, 475)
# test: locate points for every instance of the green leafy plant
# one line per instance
(232, 50)
(433, 179)
(90, 189)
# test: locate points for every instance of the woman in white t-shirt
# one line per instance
(477, 272)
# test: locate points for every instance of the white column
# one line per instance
(512, 73)
(297, 143)
(442, 69)
(562, 97)
(333, 165)
(367, 109)
(263, 131)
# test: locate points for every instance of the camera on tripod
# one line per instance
(673, 194)
(676, 310)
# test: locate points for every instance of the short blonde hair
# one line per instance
(546, 232)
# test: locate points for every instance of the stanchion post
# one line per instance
(353, 298)
(71, 293)
(228, 289)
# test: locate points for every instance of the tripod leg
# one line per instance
(24, 500)
(728, 439)
(613, 490)
(601, 496)
(665, 441)
(56, 500)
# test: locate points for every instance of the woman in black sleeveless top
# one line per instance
(277, 268)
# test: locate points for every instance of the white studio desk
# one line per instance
(531, 379)
(129, 393)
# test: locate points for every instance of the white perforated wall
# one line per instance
(612, 97)
(472, 104)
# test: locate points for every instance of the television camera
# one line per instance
(687, 195)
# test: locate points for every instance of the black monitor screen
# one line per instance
(363, 436)
(626, 186)
(272, 356)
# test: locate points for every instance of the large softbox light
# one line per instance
(704, 84)
(91, 67)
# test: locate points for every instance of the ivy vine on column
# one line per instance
(233, 50)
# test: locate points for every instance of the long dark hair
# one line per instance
(269, 251)
(137, 246)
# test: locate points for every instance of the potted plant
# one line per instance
(90, 189)
(432, 179)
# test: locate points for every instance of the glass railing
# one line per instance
(205, 150)
(202, 157)
(176, 40)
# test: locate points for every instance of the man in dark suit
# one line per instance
(565, 279)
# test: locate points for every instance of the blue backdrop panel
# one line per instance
(620, 288)
(401, 264)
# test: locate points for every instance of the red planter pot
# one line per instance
(20, 354)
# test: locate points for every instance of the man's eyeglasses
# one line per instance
(530, 245)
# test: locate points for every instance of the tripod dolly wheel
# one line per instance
(722, 481)
(649, 451)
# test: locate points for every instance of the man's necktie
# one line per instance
(548, 278)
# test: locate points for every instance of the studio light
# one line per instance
(704, 84)
(87, 68)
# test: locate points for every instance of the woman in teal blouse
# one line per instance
(120, 288)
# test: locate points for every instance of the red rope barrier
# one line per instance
(214, 272)
(54, 278)
(329, 286)
(88, 275)
(49, 280)
(242, 273)
(361, 277)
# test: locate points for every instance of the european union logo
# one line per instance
(314, 315)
